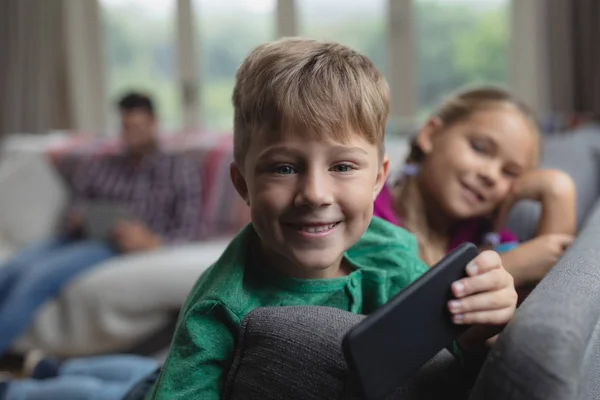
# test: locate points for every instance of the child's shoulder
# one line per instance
(384, 245)
(383, 233)
(222, 282)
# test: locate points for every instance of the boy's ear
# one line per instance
(382, 175)
(425, 136)
(239, 182)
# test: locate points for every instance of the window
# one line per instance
(459, 42)
(359, 24)
(139, 41)
(227, 31)
(456, 43)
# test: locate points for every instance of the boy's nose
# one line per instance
(314, 190)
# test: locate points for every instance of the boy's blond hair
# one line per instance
(308, 87)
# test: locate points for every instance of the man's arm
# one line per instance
(83, 180)
(185, 221)
(81, 193)
(200, 355)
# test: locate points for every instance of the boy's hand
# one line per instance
(487, 296)
(539, 185)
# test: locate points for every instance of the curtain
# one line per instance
(49, 62)
(573, 31)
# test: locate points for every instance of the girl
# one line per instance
(471, 161)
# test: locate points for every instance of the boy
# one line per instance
(309, 161)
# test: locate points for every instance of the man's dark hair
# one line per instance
(136, 101)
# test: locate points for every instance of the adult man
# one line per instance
(160, 192)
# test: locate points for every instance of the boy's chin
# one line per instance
(310, 267)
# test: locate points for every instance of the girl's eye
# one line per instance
(342, 168)
(478, 147)
(511, 174)
(285, 170)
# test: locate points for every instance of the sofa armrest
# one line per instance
(551, 348)
(32, 199)
(296, 353)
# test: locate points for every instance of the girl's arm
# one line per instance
(557, 195)
(555, 190)
(531, 260)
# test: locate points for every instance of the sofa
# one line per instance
(549, 351)
(130, 303)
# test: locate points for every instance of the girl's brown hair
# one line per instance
(467, 102)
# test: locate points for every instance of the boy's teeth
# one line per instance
(317, 229)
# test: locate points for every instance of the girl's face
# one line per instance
(470, 166)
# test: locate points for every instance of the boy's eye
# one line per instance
(284, 169)
(342, 168)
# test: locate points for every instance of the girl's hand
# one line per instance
(531, 261)
(550, 187)
(487, 297)
(538, 184)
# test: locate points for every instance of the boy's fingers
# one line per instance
(484, 262)
(493, 317)
(484, 302)
(493, 280)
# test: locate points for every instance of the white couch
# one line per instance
(114, 306)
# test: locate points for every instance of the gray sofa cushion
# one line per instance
(295, 353)
(291, 353)
(575, 154)
(551, 349)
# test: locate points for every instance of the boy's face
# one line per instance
(310, 200)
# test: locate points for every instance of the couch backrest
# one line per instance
(551, 349)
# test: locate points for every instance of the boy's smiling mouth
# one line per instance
(313, 229)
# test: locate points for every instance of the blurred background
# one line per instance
(65, 61)
(64, 64)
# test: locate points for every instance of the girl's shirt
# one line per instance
(469, 231)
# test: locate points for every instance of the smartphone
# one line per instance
(392, 343)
